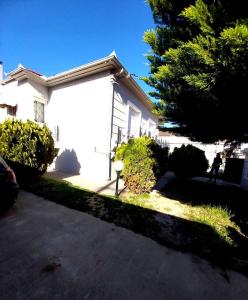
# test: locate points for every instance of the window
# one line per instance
(152, 128)
(119, 136)
(39, 111)
(11, 110)
(134, 120)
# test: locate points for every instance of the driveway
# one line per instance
(48, 251)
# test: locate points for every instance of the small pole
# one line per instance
(117, 183)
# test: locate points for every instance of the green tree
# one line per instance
(198, 67)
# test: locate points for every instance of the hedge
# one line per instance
(188, 161)
(27, 143)
(144, 161)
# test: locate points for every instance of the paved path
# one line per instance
(219, 182)
(163, 181)
(105, 187)
(48, 251)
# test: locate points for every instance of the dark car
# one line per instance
(8, 185)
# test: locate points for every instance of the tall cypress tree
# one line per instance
(198, 67)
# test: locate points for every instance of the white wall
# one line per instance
(3, 114)
(23, 93)
(177, 141)
(124, 99)
(82, 110)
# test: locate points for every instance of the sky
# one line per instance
(51, 36)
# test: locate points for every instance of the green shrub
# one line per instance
(27, 143)
(143, 163)
(188, 161)
(161, 156)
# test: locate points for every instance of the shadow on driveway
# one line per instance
(51, 252)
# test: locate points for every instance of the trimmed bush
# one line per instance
(142, 163)
(27, 143)
(161, 156)
(188, 161)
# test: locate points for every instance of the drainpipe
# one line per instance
(111, 127)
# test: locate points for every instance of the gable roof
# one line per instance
(109, 63)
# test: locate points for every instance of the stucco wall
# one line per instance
(124, 99)
(209, 149)
(23, 93)
(82, 111)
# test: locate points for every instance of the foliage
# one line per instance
(138, 171)
(27, 143)
(217, 217)
(144, 161)
(161, 156)
(188, 161)
(198, 66)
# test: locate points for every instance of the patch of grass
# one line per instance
(217, 217)
(57, 191)
(196, 193)
(201, 229)
(222, 209)
(167, 209)
(108, 208)
(142, 200)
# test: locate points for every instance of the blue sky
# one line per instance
(50, 36)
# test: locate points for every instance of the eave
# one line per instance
(22, 74)
(95, 67)
(109, 63)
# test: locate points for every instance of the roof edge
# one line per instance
(108, 63)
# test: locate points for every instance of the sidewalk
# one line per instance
(104, 187)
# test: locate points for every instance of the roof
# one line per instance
(109, 63)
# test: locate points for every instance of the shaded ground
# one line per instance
(203, 193)
(51, 252)
(168, 228)
(230, 198)
(104, 187)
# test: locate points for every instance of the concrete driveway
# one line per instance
(48, 251)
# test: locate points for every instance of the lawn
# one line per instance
(187, 216)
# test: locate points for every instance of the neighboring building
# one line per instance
(167, 139)
(90, 109)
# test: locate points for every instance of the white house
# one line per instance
(89, 109)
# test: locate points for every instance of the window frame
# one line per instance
(11, 110)
(131, 106)
(39, 102)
